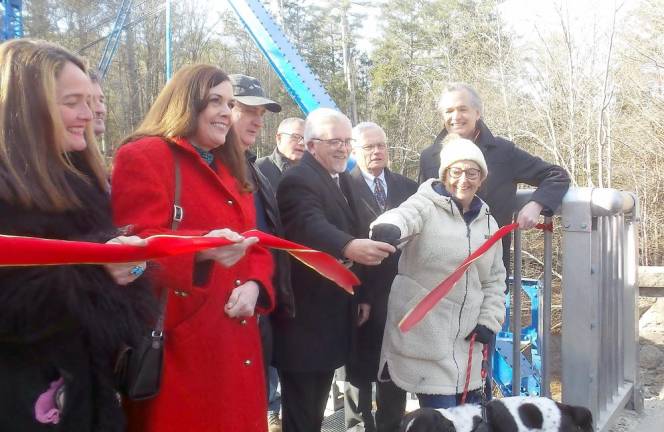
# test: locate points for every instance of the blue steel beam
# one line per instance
(12, 19)
(168, 40)
(113, 39)
(299, 80)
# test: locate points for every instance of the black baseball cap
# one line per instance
(248, 91)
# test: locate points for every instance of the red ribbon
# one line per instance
(31, 251)
(417, 313)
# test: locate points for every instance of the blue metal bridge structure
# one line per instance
(11, 19)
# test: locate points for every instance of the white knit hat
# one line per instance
(456, 149)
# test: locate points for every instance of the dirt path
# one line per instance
(651, 330)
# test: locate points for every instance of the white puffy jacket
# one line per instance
(432, 357)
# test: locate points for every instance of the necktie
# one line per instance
(338, 183)
(379, 193)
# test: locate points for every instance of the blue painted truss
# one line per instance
(300, 82)
(11, 16)
(530, 358)
(113, 38)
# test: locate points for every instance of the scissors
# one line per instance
(403, 240)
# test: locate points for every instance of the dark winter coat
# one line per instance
(376, 281)
(317, 214)
(266, 189)
(508, 166)
(272, 167)
(65, 321)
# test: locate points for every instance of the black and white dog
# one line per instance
(511, 414)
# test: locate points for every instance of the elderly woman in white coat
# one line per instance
(446, 222)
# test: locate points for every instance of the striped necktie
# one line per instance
(379, 193)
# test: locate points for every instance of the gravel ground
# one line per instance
(651, 330)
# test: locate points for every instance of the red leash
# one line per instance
(484, 371)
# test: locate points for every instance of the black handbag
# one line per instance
(138, 369)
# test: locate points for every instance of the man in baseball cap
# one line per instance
(247, 118)
(251, 105)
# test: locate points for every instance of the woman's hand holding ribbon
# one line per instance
(125, 273)
(227, 255)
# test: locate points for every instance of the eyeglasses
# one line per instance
(336, 142)
(372, 147)
(293, 137)
(471, 173)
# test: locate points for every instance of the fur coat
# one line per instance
(65, 322)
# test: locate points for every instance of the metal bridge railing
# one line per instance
(600, 347)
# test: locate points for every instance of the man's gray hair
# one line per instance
(318, 117)
(290, 121)
(475, 100)
(362, 127)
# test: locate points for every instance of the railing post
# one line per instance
(630, 311)
(545, 311)
(516, 316)
(600, 321)
(580, 333)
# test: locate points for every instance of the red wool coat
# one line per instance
(213, 374)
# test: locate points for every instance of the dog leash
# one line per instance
(483, 372)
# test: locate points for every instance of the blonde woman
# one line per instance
(62, 326)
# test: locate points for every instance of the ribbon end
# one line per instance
(406, 323)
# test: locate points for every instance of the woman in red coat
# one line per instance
(212, 378)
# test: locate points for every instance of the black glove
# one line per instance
(386, 232)
(482, 334)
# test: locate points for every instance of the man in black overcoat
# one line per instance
(316, 205)
(376, 189)
(287, 153)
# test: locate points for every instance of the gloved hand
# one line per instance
(482, 334)
(386, 232)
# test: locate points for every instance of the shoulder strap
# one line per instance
(178, 211)
(178, 214)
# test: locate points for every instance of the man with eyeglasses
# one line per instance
(377, 189)
(251, 104)
(461, 109)
(316, 201)
(287, 153)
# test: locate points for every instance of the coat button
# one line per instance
(247, 362)
(237, 282)
(229, 202)
(181, 293)
(243, 322)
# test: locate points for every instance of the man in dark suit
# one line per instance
(376, 189)
(316, 204)
(287, 153)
